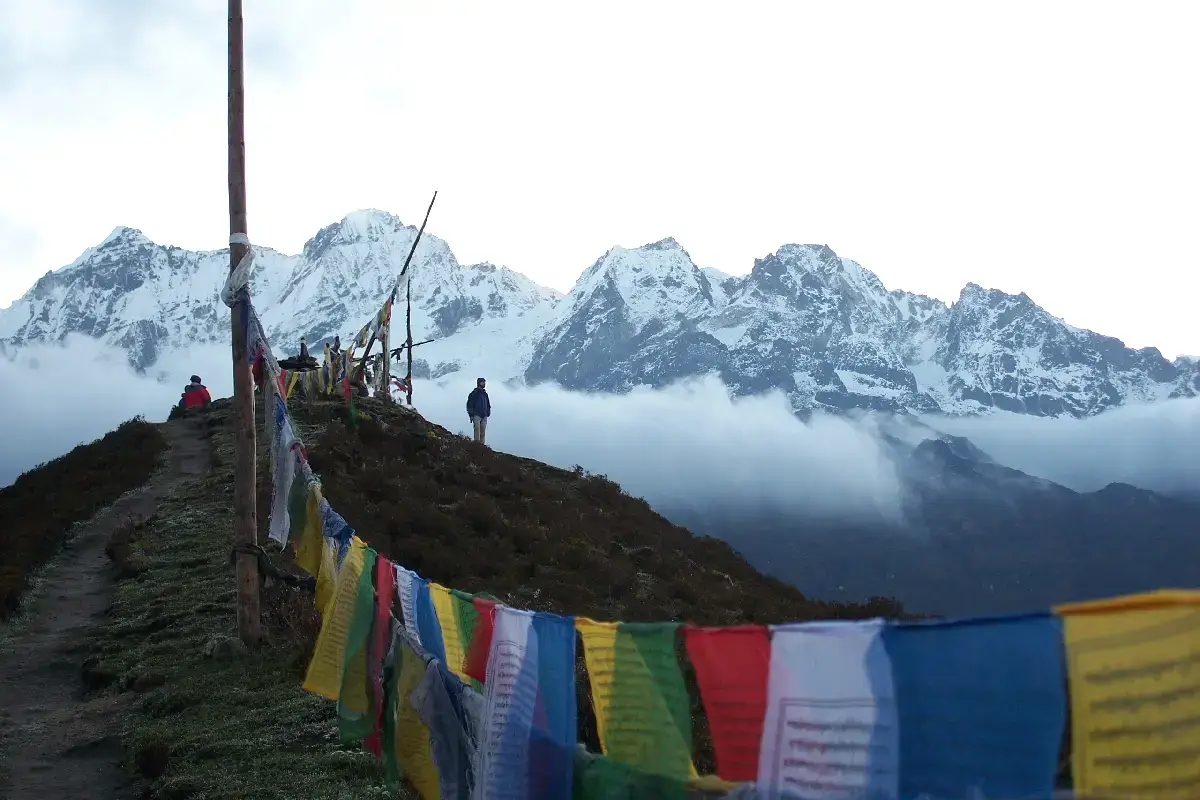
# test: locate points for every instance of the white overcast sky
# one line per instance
(1045, 147)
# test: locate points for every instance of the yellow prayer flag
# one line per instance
(443, 604)
(414, 752)
(326, 575)
(308, 551)
(599, 649)
(325, 670)
(1134, 669)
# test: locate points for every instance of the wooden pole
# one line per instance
(408, 302)
(408, 323)
(245, 524)
(385, 369)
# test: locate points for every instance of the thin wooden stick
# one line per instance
(245, 513)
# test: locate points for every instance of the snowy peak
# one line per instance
(122, 237)
(647, 283)
(805, 321)
(147, 298)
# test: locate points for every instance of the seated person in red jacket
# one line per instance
(195, 395)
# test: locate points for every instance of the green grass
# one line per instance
(216, 729)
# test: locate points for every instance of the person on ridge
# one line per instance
(479, 408)
(195, 395)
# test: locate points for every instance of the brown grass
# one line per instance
(39, 509)
(533, 535)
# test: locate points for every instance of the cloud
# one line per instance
(1151, 446)
(688, 447)
(58, 396)
(685, 447)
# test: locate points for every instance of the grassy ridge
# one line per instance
(206, 725)
(464, 515)
(38, 510)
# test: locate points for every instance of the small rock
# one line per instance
(225, 648)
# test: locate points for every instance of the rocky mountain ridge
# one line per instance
(804, 321)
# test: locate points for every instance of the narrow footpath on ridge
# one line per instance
(54, 741)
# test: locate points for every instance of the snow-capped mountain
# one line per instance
(819, 327)
(828, 333)
(147, 298)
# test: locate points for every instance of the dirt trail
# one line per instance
(53, 743)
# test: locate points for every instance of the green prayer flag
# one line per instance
(354, 703)
(649, 721)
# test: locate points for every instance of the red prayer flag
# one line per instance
(381, 629)
(481, 639)
(732, 665)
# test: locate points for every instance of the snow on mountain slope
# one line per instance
(805, 321)
(147, 298)
(995, 350)
(620, 302)
(133, 294)
(830, 335)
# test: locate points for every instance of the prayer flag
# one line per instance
(381, 636)
(528, 744)
(481, 638)
(981, 705)
(311, 544)
(731, 666)
(406, 594)
(325, 670)
(643, 713)
(452, 635)
(411, 739)
(1134, 669)
(830, 725)
(427, 621)
(354, 700)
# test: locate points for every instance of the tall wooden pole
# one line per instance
(408, 324)
(385, 367)
(245, 524)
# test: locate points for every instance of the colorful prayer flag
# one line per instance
(643, 713)
(452, 636)
(381, 637)
(325, 670)
(1134, 669)
(481, 638)
(732, 666)
(354, 700)
(406, 594)
(981, 705)
(830, 724)
(427, 621)
(413, 747)
(528, 744)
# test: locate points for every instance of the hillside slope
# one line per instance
(534, 535)
(206, 721)
(38, 510)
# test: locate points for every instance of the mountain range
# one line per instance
(976, 536)
(820, 328)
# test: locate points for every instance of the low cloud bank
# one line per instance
(1154, 446)
(55, 397)
(688, 446)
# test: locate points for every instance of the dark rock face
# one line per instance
(976, 538)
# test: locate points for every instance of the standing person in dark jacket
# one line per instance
(195, 395)
(479, 408)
